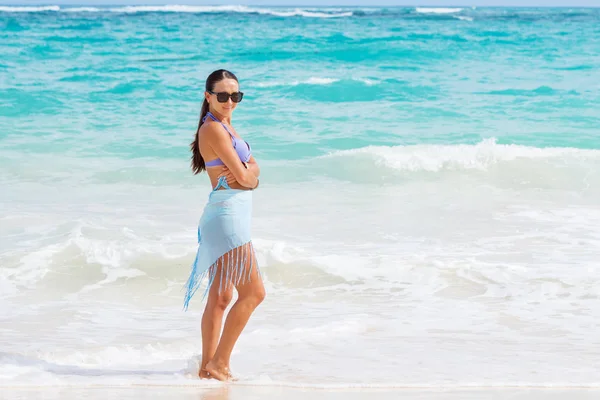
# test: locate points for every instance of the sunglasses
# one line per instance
(223, 97)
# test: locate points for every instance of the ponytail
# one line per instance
(198, 164)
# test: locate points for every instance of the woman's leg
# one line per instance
(212, 319)
(250, 294)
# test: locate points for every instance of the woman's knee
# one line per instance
(260, 294)
(223, 299)
(255, 296)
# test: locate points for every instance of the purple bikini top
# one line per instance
(241, 147)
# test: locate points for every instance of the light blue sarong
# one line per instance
(223, 241)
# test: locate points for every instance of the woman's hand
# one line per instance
(228, 176)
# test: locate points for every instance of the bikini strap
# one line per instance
(209, 114)
(222, 182)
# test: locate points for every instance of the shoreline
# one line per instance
(245, 391)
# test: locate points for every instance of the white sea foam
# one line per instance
(232, 9)
(303, 13)
(309, 81)
(441, 10)
(449, 267)
(28, 9)
(317, 81)
(174, 8)
(480, 156)
(80, 9)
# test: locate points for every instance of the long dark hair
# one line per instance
(198, 164)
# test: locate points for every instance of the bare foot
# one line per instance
(219, 372)
(203, 374)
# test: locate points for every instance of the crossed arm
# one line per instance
(252, 168)
(233, 170)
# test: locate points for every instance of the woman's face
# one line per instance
(223, 86)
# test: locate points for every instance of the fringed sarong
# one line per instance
(224, 242)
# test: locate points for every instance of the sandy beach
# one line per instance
(239, 392)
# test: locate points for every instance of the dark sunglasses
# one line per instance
(223, 97)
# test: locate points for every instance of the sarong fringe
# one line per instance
(231, 264)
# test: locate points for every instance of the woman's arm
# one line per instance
(253, 166)
(220, 141)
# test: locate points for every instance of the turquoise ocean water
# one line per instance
(429, 205)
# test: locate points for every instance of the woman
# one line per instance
(225, 253)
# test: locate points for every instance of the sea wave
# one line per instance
(310, 13)
(478, 156)
(489, 163)
(317, 81)
(29, 9)
(423, 10)
(437, 13)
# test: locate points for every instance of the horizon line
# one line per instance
(293, 5)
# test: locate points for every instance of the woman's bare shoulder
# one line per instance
(211, 131)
